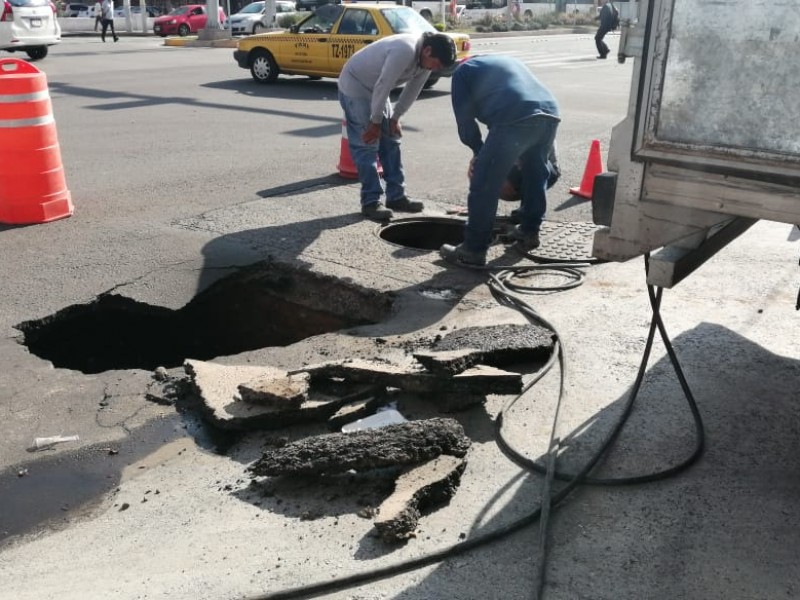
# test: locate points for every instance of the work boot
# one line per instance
(461, 255)
(403, 204)
(376, 211)
(524, 241)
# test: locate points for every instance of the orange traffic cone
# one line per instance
(594, 166)
(347, 167)
(32, 184)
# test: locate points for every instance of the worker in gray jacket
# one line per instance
(373, 124)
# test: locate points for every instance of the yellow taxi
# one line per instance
(319, 45)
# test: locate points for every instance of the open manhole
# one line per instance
(259, 306)
(427, 233)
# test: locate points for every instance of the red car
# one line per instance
(185, 20)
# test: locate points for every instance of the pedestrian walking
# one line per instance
(607, 18)
(98, 14)
(108, 19)
(373, 123)
(522, 117)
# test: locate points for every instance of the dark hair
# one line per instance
(442, 47)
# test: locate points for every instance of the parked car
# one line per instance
(253, 18)
(184, 20)
(320, 44)
(29, 26)
(77, 10)
(312, 4)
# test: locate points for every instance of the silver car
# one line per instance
(252, 18)
(29, 26)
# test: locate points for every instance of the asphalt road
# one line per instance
(150, 128)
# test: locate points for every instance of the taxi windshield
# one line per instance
(406, 20)
(322, 20)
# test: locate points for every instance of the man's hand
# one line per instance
(372, 133)
(394, 128)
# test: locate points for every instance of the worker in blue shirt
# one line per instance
(522, 117)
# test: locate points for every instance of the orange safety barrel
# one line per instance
(33, 188)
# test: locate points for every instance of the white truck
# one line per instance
(711, 141)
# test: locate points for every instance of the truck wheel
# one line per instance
(427, 15)
(183, 30)
(37, 52)
(263, 67)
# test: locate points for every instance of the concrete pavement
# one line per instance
(182, 521)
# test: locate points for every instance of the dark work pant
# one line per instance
(602, 48)
(106, 24)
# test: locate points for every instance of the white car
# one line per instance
(30, 26)
(252, 18)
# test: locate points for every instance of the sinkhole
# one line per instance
(428, 233)
(265, 304)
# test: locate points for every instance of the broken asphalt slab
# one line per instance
(393, 445)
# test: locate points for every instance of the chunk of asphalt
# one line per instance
(354, 411)
(449, 362)
(480, 379)
(450, 402)
(282, 391)
(420, 489)
(409, 443)
(217, 388)
(495, 345)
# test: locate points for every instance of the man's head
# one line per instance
(438, 52)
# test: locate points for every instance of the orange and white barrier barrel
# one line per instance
(33, 188)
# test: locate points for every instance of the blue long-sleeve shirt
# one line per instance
(496, 90)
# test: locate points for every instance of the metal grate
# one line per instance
(566, 242)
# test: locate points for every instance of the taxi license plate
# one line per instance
(157, 28)
(36, 22)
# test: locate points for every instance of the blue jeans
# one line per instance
(365, 156)
(528, 141)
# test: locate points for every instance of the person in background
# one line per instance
(373, 124)
(522, 118)
(606, 17)
(108, 19)
(98, 14)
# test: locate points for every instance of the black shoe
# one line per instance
(104, 39)
(460, 255)
(403, 204)
(376, 211)
(602, 56)
(524, 241)
(116, 38)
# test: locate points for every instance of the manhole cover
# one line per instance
(566, 242)
(428, 233)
